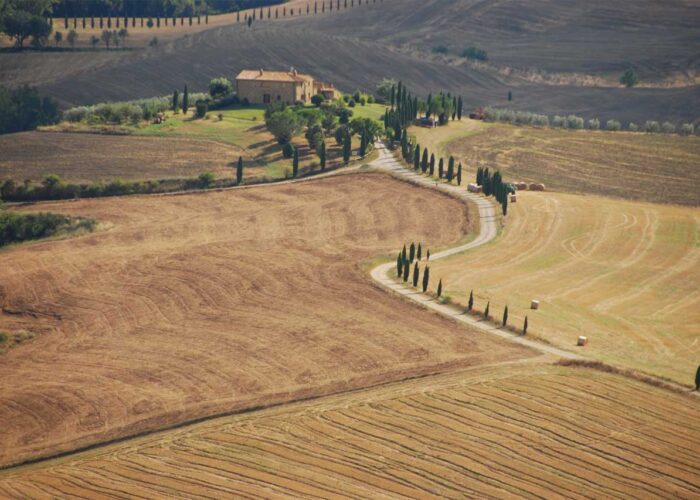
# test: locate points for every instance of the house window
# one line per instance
(266, 98)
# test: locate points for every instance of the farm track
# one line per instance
(523, 429)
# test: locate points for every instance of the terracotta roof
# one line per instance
(272, 76)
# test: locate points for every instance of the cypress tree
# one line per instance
(405, 271)
(403, 254)
(439, 289)
(239, 170)
(459, 174)
(238, 16)
(363, 144)
(416, 272)
(441, 169)
(416, 158)
(432, 164)
(295, 162)
(322, 155)
(176, 99)
(426, 279)
(454, 108)
(486, 312)
(427, 255)
(450, 169)
(525, 331)
(479, 176)
(504, 206)
(399, 265)
(185, 102)
(429, 104)
(412, 253)
(419, 252)
(505, 316)
(347, 147)
(393, 96)
(424, 161)
(470, 304)
(459, 108)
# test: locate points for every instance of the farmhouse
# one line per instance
(265, 87)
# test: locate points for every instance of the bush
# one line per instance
(363, 100)
(540, 120)
(220, 87)
(613, 125)
(288, 150)
(201, 108)
(370, 99)
(153, 42)
(339, 134)
(629, 79)
(633, 127)
(206, 179)
(652, 127)
(574, 122)
(558, 121)
(475, 53)
(686, 129)
(593, 124)
(668, 128)
(284, 125)
(351, 103)
(440, 49)
(22, 108)
(16, 227)
(317, 99)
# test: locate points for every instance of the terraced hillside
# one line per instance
(189, 306)
(534, 50)
(516, 429)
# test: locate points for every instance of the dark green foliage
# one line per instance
(405, 271)
(470, 304)
(419, 252)
(504, 205)
(424, 161)
(505, 316)
(322, 154)
(439, 289)
(201, 107)
(459, 174)
(450, 169)
(697, 379)
(317, 100)
(399, 264)
(525, 329)
(288, 150)
(26, 20)
(630, 78)
(441, 169)
(416, 273)
(206, 179)
(16, 227)
(347, 147)
(412, 253)
(239, 170)
(486, 312)
(475, 53)
(404, 254)
(459, 108)
(185, 100)
(416, 157)
(432, 164)
(426, 279)
(427, 255)
(510, 96)
(284, 124)
(22, 108)
(295, 163)
(220, 87)
(440, 49)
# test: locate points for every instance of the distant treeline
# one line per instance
(17, 227)
(152, 8)
(22, 108)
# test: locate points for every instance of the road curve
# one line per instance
(487, 232)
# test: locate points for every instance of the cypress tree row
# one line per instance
(441, 169)
(399, 265)
(505, 316)
(416, 271)
(295, 162)
(424, 161)
(419, 252)
(416, 158)
(412, 253)
(432, 165)
(470, 304)
(363, 144)
(450, 169)
(405, 271)
(239, 170)
(439, 289)
(403, 254)
(486, 312)
(426, 279)
(185, 103)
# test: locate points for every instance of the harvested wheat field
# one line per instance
(193, 305)
(622, 273)
(86, 158)
(525, 430)
(650, 167)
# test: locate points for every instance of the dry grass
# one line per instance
(621, 273)
(658, 168)
(523, 430)
(195, 305)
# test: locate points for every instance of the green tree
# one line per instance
(399, 265)
(486, 312)
(697, 379)
(470, 304)
(441, 169)
(427, 255)
(322, 154)
(426, 279)
(405, 271)
(317, 100)
(419, 252)
(459, 108)
(347, 147)
(23, 19)
(412, 253)
(439, 289)
(416, 157)
(284, 125)
(459, 174)
(525, 326)
(424, 161)
(239, 170)
(185, 100)
(106, 38)
(450, 169)
(432, 164)
(416, 272)
(206, 179)
(72, 37)
(629, 79)
(404, 254)
(295, 162)
(58, 38)
(505, 316)
(176, 100)
(220, 87)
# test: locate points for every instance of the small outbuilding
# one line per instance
(535, 304)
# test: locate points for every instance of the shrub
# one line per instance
(668, 128)
(629, 79)
(201, 108)
(363, 100)
(284, 125)
(540, 121)
(574, 122)
(317, 99)
(351, 103)
(16, 227)
(593, 124)
(652, 127)
(474, 53)
(288, 150)
(206, 179)
(339, 134)
(220, 87)
(440, 49)
(613, 125)
(686, 129)
(633, 127)
(558, 121)
(153, 42)
(370, 99)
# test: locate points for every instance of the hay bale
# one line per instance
(582, 341)
(513, 198)
(474, 188)
(535, 304)
(521, 186)
(536, 187)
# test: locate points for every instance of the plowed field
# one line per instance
(525, 430)
(193, 305)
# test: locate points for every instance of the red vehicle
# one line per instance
(477, 114)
